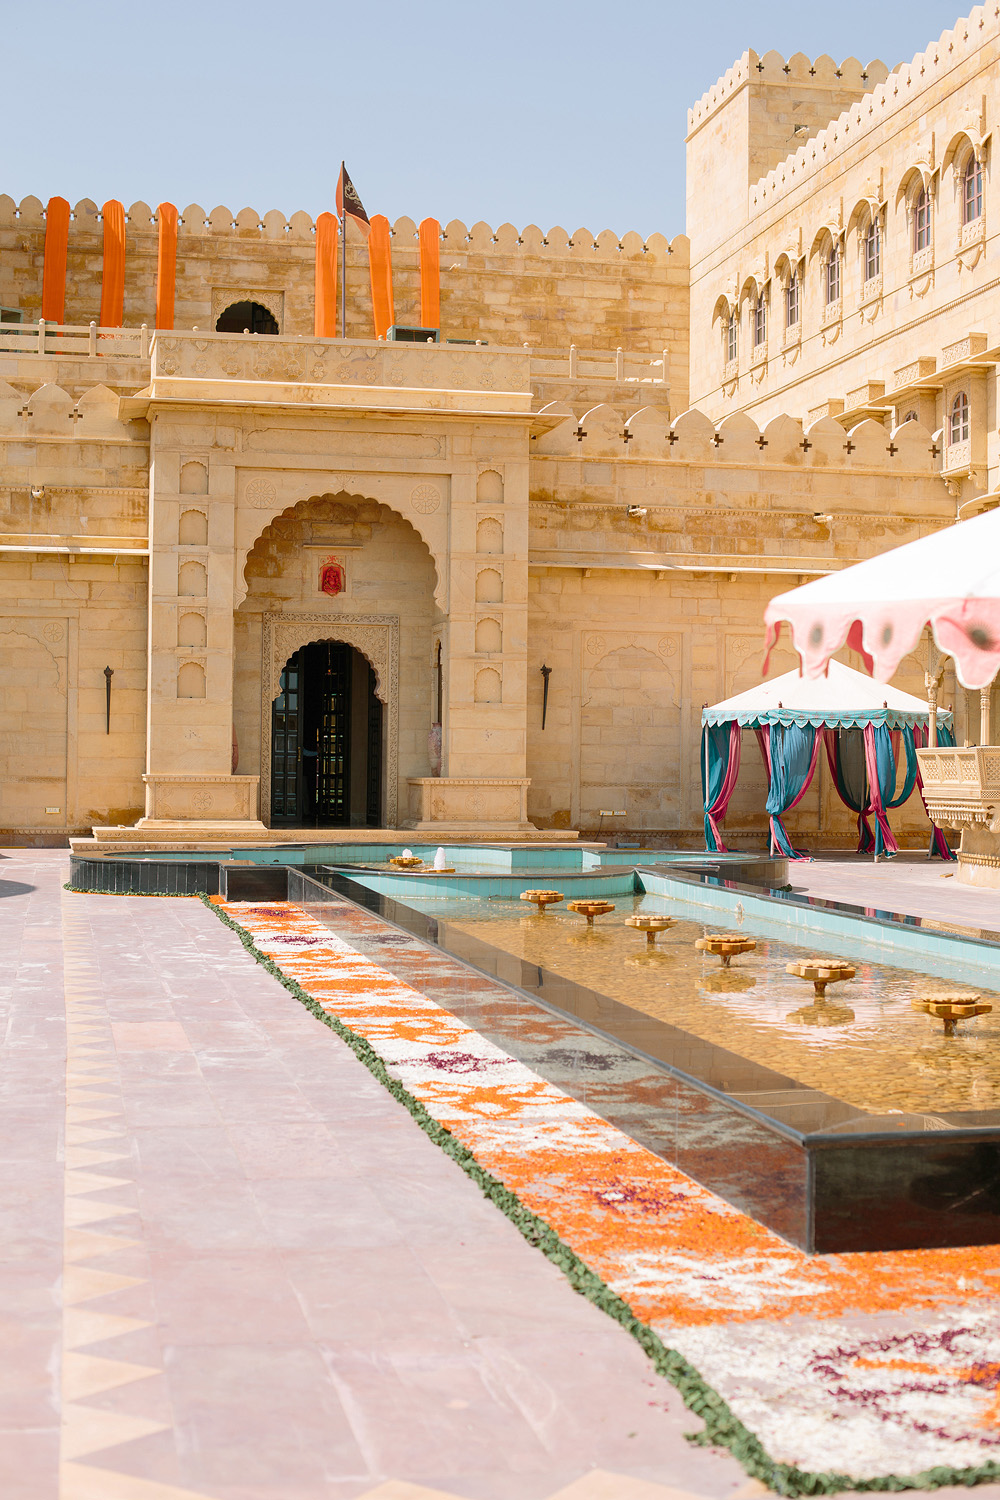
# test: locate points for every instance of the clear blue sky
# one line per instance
(532, 111)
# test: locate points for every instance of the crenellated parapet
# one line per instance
(492, 284)
(892, 94)
(606, 432)
(797, 71)
(274, 227)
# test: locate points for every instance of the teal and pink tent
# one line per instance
(865, 727)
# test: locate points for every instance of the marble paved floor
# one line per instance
(911, 884)
(233, 1268)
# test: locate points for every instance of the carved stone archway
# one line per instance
(377, 638)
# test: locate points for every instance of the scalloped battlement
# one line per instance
(894, 93)
(773, 69)
(299, 228)
(610, 432)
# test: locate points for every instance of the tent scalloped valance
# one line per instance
(832, 718)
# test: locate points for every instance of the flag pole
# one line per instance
(343, 256)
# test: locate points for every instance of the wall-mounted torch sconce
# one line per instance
(546, 674)
(109, 672)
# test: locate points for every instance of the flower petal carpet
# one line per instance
(877, 1370)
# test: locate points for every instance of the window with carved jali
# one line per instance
(759, 319)
(732, 337)
(872, 250)
(793, 301)
(958, 421)
(921, 221)
(972, 190)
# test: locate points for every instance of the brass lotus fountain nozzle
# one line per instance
(590, 909)
(822, 971)
(405, 861)
(726, 945)
(650, 925)
(541, 899)
(952, 1008)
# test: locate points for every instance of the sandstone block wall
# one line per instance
(599, 291)
(760, 111)
(645, 617)
(64, 618)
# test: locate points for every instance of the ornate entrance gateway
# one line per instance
(326, 740)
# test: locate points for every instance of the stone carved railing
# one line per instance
(613, 365)
(73, 338)
(351, 362)
(962, 786)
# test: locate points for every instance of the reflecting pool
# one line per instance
(863, 1041)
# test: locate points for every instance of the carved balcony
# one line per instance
(962, 786)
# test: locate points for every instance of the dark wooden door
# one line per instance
(312, 775)
(327, 733)
(286, 747)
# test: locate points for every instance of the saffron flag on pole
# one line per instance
(349, 204)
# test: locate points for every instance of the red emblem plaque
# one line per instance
(331, 577)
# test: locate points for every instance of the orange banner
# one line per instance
(325, 317)
(380, 267)
(430, 273)
(54, 266)
(166, 265)
(113, 270)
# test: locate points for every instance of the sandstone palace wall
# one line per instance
(866, 239)
(501, 286)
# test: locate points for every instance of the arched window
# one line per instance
(732, 337)
(911, 416)
(247, 317)
(959, 425)
(792, 300)
(921, 221)
(831, 274)
(972, 191)
(760, 321)
(873, 250)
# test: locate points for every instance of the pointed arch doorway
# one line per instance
(330, 721)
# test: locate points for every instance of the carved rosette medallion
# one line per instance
(664, 646)
(425, 498)
(260, 493)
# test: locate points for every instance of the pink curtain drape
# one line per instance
(876, 805)
(717, 811)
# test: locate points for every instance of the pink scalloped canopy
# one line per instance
(949, 580)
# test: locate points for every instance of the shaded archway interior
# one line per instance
(327, 520)
(247, 317)
(327, 737)
(387, 591)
